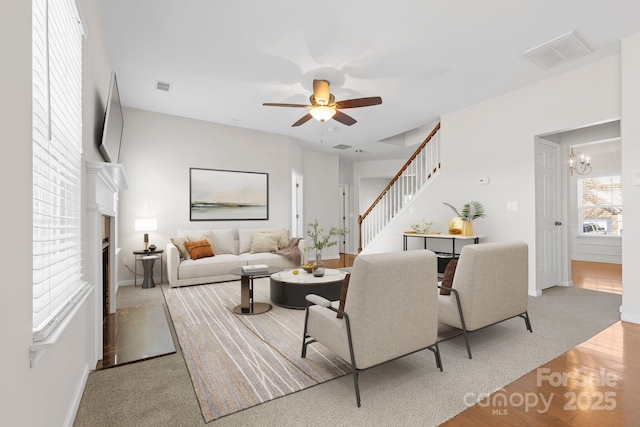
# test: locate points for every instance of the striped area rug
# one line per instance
(236, 361)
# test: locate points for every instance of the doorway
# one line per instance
(296, 204)
(589, 194)
(343, 217)
(548, 223)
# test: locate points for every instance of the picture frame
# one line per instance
(228, 195)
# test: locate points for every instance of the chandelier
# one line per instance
(579, 163)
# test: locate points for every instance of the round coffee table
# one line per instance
(289, 290)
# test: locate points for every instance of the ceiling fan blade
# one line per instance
(272, 104)
(359, 102)
(302, 121)
(344, 119)
(321, 92)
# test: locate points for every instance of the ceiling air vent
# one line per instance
(558, 51)
(163, 86)
(341, 146)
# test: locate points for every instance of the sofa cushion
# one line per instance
(283, 236)
(199, 249)
(447, 277)
(178, 242)
(272, 260)
(219, 265)
(221, 241)
(264, 242)
(244, 239)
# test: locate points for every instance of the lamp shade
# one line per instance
(322, 113)
(146, 224)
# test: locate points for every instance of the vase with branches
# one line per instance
(461, 223)
(321, 240)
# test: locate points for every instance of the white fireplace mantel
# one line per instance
(104, 181)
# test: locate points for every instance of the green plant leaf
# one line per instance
(472, 210)
(321, 239)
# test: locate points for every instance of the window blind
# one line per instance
(57, 163)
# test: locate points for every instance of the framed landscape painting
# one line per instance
(222, 195)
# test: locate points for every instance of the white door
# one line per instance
(296, 204)
(548, 225)
(343, 197)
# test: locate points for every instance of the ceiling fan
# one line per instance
(324, 106)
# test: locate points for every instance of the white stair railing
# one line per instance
(415, 173)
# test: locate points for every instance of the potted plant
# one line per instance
(461, 223)
(320, 241)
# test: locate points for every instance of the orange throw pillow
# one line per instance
(199, 249)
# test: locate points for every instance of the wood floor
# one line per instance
(594, 384)
(598, 276)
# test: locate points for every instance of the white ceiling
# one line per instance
(425, 58)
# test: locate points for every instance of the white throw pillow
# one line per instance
(264, 242)
(283, 236)
(221, 241)
(179, 243)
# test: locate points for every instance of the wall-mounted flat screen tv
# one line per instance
(113, 124)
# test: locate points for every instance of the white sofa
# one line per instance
(232, 248)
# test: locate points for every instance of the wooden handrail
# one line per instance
(393, 181)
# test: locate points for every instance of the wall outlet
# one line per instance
(484, 180)
(124, 261)
(512, 206)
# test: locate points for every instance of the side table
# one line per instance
(247, 306)
(139, 255)
(147, 263)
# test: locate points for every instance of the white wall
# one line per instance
(49, 393)
(321, 195)
(157, 151)
(495, 139)
(630, 129)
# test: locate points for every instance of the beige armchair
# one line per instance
(390, 310)
(490, 285)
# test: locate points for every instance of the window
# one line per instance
(57, 163)
(600, 205)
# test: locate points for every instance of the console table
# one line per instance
(445, 256)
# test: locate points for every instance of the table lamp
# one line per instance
(146, 225)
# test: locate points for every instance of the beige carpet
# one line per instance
(405, 392)
(239, 361)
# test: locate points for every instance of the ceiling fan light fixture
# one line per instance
(322, 112)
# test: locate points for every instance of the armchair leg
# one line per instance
(436, 351)
(464, 326)
(304, 334)
(527, 321)
(353, 360)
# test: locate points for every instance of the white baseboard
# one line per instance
(629, 315)
(77, 397)
(609, 259)
(130, 282)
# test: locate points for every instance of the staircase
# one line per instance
(414, 175)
